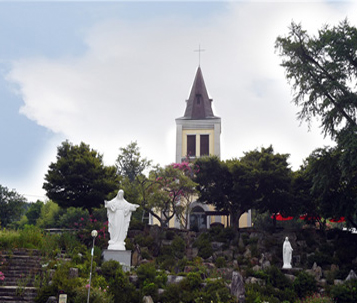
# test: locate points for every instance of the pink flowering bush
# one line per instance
(2, 276)
(316, 298)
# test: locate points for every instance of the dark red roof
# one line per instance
(198, 104)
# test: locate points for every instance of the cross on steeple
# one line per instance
(199, 50)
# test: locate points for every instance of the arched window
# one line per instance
(198, 218)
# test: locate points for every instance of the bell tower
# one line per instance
(198, 132)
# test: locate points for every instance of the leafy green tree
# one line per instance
(130, 168)
(49, 215)
(305, 202)
(166, 190)
(79, 177)
(226, 185)
(259, 179)
(11, 206)
(323, 73)
(34, 212)
(336, 194)
(272, 177)
(129, 162)
(323, 70)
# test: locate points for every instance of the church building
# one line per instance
(198, 133)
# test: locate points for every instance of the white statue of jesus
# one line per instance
(119, 213)
(287, 253)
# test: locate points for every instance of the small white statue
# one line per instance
(119, 213)
(287, 253)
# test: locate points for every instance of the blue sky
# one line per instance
(108, 73)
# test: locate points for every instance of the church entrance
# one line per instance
(198, 219)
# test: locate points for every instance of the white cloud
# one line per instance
(133, 80)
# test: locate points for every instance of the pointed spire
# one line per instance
(199, 104)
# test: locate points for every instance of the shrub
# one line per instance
(119, 286)
(167, 262)
(220, 262)
(257, 294)
(150, 289)
(321, 258)
(345, 293)
(193, 281)
(203, 243)
(170, 235)
(123, 291)
(136, 225)
(304, 284)
(146, 273)
(178, 247)
(111, 269)
(30, 237)
(217, 291)
(72, 216)
(45, 292)
(316, 298)
(97, 295)
(172, 294)
(61, 280)
(144, 240)
(276, 278)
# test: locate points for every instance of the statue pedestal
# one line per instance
(121, 256)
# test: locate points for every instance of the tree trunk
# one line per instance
(235, 216)
(274, 223)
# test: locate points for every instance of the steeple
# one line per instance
(198, 104)
(198, 131)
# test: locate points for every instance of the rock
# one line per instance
(351, 276)
(134, 279)
(166, 242)
(262, 259)
(235, 264)
(247, 254)
(209, 259)
(51, 299)
(254, 280)
(73, 273)
(237, 285)
(209, 266)
(171, 279)
(225, 273)
(290, 277)
(188, 268)
(160, 291)
(322, 283)
(136, 256)
(254, 261)
(334, 267)
(228, 253)
(241, 242)
(256, 235)
(217, 245)
(256, 268)
(316, 271)
(192, 253)
(144, 261)
(266, 265)
(147, 299)
(301, 243)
